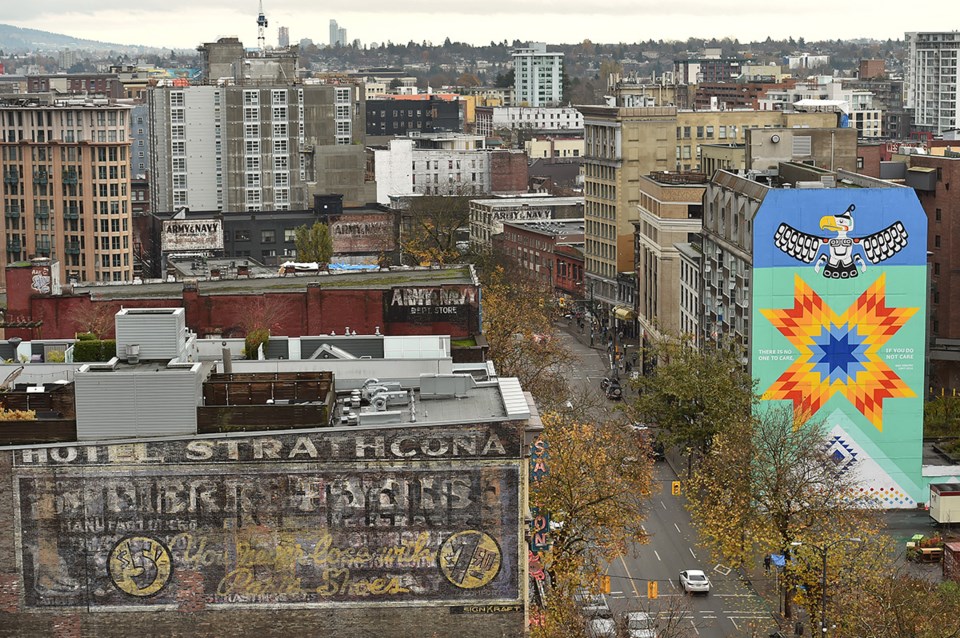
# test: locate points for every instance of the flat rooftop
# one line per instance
(377, 280)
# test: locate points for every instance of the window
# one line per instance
(289, 234)
(252, 147)
(268, 236)
(242, 235)
(251, 98)
(860, 163)
(938, 214)
(936, 241)
(252, 162)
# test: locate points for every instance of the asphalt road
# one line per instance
(731, 609)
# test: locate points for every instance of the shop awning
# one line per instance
(623, 313)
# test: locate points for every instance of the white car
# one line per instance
(694, 581)
(640, 624)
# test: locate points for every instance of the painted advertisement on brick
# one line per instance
(839, 307)
(394, 516)
(455, 304)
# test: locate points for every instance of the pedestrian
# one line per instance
(629, 367)
(766, 563)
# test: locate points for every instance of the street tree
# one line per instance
(432, 226)
(314, 243)
(518, 326)
(596, 490)
(893, 602)
(692, 394)
(769, 482)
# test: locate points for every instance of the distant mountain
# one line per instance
(19, 40)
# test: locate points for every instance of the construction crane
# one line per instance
(261, 29)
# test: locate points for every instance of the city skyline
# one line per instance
(182, 24)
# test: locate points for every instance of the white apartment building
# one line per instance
(537, 75)
(826, 93)
(403, 169)
(490, 119)
(248, 148)
(931, 80)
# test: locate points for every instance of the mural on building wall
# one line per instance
(404, 515)
(363, 233)
(838, 325)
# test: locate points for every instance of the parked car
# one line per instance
(592, 605)
(640, 624)
(694, 581)
(602, 628)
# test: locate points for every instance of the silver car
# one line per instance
(640, 624)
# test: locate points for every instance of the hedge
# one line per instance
(92, 351)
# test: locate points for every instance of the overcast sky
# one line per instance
(187, 23)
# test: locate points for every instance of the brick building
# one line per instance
(933, 177)
(532, 247)
(401, 511)
(407, 302)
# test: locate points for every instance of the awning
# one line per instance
(624, 313)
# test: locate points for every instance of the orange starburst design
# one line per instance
(838, 353)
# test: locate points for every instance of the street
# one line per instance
(731, 608)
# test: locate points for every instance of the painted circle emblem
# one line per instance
(470, 559)
(140, 566)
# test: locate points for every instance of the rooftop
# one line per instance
(461, 274)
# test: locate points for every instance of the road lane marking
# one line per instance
(663, 505)
(692, 554)
(735, 625)
(657, 555)
(694, 625)
(678, 528)
(633, 583)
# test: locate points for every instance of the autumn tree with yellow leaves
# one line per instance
(596, 491)
(768, 485)
(518, 327)
(431, 226)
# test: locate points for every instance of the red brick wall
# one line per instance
(508, 172)
(315, 310)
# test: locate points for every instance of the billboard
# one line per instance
(839, 326)
(187, 235)
(406, 515)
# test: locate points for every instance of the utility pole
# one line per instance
(823, 549)
(593, 315)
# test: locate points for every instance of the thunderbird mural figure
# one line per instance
(841, 256)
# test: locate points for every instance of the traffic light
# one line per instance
(675, 488)
(652, 589)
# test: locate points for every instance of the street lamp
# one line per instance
(823, 549)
